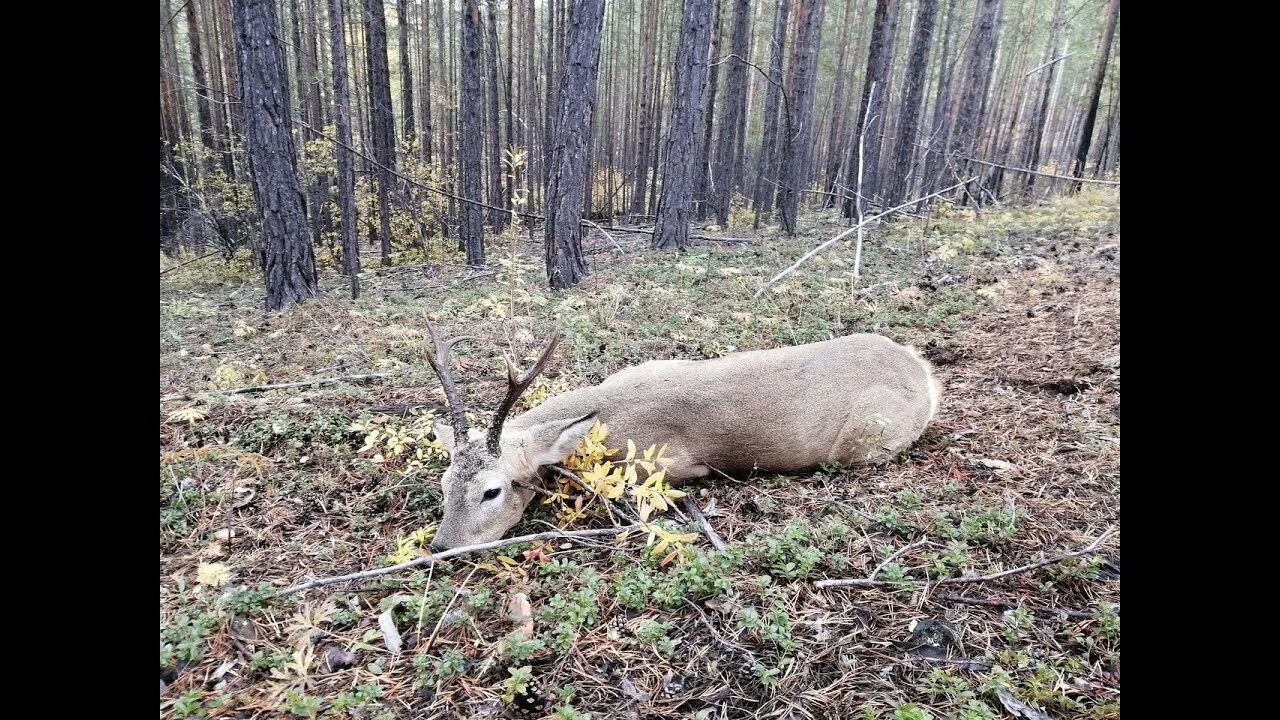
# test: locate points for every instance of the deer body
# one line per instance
(860, 398)
(854, 399)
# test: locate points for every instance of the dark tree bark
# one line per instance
(904, 166)
(767, 162)
(497, 218)
(836, 132)
(406, 71)
(470, 105)
(569, 163)
(552, 102)
(672, 228)
(977, 79)
(735, 107)
(646, 111)
(1099, 75)
(204, 113)
(346, 163)
(705, 178)
(382, 117)
(871, 110)
(797, 144)
(288, 262)
(424, 99)
(940, 119)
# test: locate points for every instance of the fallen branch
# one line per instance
(1042, 174)
(281, 386)
(447, 554)
(869, 583)
(695, 512)
(998, 604)
(854, 229)
(184, 264)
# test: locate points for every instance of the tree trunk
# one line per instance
(705, 177)
(645, 114)
(1099, 75)
(471, 136)
(382, 118)
(346, 163)
(734, 109)
(767, 162)
(497, 218)
(904, 166)
(203, 112)
(406, 72)
(798, 143)
(834, 154)
(872, 108)
(428, 124)
(977, 78)
(940, 124)
(289, 265)
(672, 228)
(569, 162)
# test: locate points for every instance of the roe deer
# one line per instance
(855, 399)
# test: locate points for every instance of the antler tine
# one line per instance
(517, 383)
(440, 363)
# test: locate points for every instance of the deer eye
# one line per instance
(491, 494)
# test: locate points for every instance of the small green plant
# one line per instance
(516, 648)
(1017, 623)
(302, 705)
(188, 705)
(517, 683)
(911, 712)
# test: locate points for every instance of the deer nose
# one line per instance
(435, 547)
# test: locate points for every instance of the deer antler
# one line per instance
(440, 362)
(517, 383)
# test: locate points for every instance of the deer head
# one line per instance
(491, 478)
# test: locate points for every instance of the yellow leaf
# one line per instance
(631, 451)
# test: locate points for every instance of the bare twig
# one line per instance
(857, 202)
(428, 560)
(853, 229)
(695, 512)
(609, 505)
(868, 583)
(440, 623)
(1042, 66)
(184, 264)
(720, 638)
(897, 554)
(281, 386)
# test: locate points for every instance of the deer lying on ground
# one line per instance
(855, 399)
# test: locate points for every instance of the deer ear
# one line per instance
(552, 442)
(444, 435)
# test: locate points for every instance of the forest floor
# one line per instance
(1018, 309)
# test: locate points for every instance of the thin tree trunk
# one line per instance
(672, 228)
(289, 265)
(705, 176)
(428, 122)
(734, 109)
(406, 72)
(905, 164)
(645, 113)
(976, 81)
(470, 105)
(834, 155)
(872, 108)
(346, 163)
(382, 118)
(203, 112)
(940, 126)
(493, 61)
(798, 142)
(565, 264)
(1099, 75)
(774, 101)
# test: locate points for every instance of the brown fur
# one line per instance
(860, 398)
